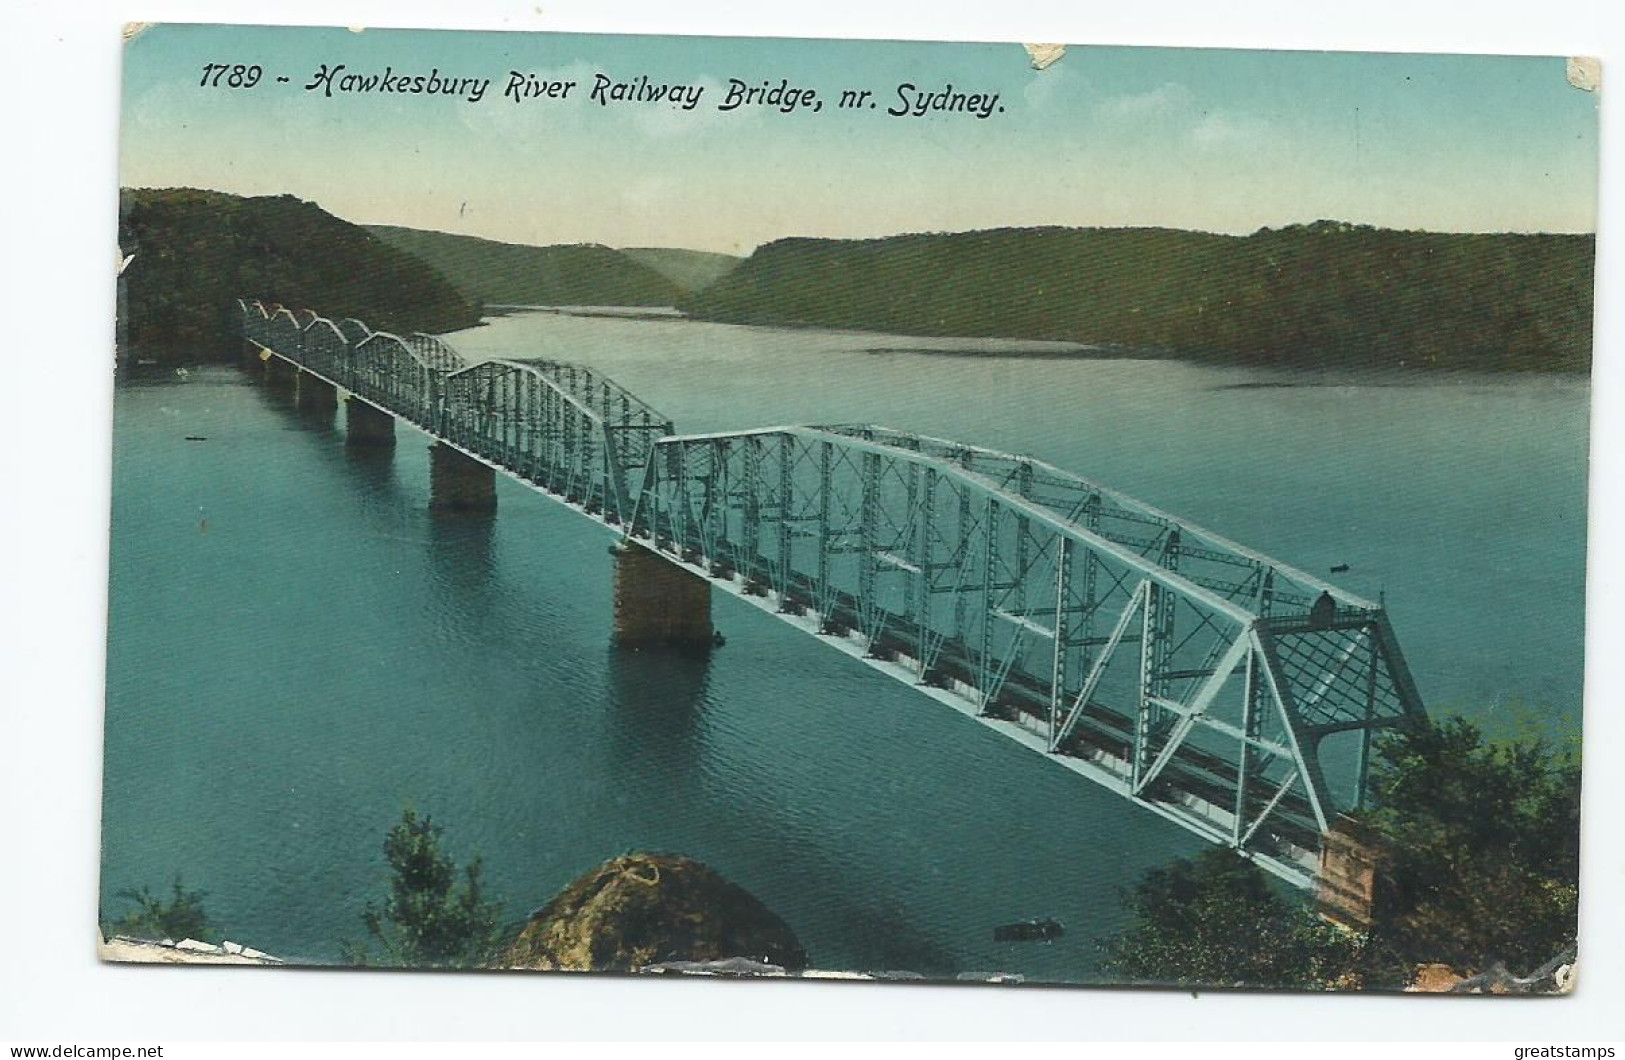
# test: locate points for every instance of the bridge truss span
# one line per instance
(559, 427)
(1230, 693)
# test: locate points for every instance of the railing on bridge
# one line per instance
(1203, 680)
(1226, 691)
(561, 427)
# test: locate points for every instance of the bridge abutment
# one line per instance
(315, 394)
(1349, 885)
(365, 427)
(658, 603)
(459, 484)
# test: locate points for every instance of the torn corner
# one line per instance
(1045, 55)
(132, 30)
(1585, 73)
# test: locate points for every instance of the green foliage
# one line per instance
(430, 919)
(1217, 920)
(514, 274)
(1485, 845)
(181, 917)
(196, 252)
(1483, 860)
(1303, 296)
(692, 270)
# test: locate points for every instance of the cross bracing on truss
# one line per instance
(1197, 677)
(565, 429)
(1220, 688)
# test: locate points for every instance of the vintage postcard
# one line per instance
(1025, 513)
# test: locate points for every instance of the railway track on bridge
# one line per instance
(1228, 692)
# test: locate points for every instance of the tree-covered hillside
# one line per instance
(516, 274)
(195, 252)
(1321, 294)
(692, 270)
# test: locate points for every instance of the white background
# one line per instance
(59, 99)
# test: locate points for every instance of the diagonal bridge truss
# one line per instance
(562, 428)
(1224, 690)
(1227, 692)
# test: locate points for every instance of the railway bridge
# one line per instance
(1226, 691)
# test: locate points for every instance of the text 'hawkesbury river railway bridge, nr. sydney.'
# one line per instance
(1227, 692)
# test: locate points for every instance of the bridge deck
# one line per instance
(1193, 676)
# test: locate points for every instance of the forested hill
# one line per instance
(196, 252)
(516, 274)
(692, 270)
(1322, 294)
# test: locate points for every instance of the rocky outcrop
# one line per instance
(640, 910)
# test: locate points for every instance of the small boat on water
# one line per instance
(1035, 930)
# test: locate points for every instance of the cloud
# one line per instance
(664, 120)
(1176, 114)
(522, 125)
(1218, 128)
(1168, 100)
(1043, 85)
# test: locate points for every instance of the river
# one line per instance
(297, 650)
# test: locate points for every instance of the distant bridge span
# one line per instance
(1221, 689)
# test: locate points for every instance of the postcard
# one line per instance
(774, 508)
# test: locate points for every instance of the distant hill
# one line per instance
(514, 274)
(692, 270)
(196, 252)
(1322, 294)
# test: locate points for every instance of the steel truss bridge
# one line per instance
(1219, 688)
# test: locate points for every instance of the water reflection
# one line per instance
(316, 413)
(657, 704)
(373, 472)
(462, 553)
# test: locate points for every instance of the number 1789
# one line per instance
(236, 75)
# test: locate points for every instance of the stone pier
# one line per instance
(659, 604)
(1350, 888)
(315, 394)
(365, 426)
(459, 484)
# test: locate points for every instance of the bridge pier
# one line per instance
(1348, 888)
(659, 604)
(315, 394)
(365, 426)
(459, 484)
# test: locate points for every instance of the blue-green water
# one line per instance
(298, 649)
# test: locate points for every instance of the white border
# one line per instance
(59, 98)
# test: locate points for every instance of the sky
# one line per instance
(1216, 140)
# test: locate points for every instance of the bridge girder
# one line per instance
(1202, 680)
(562, 427)
(1195, 677)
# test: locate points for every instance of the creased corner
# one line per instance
(1045, 55)
(1585, 73)
(132, 30)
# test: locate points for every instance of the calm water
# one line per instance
(298, 650)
